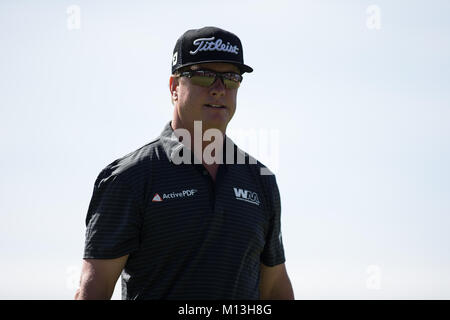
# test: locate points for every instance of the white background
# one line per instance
(353, 95)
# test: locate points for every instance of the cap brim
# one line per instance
(241, 66)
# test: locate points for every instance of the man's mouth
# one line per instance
(216, 106)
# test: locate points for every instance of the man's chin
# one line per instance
(215, 121)
(219, 125)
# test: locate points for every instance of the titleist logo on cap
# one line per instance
(208, 44)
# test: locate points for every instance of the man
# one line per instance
(178, 220)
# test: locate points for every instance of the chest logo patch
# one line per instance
(156, 198)
(174, 195)
(246, 195)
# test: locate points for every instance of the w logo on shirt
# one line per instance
(245, 195)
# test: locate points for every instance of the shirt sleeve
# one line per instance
(112, 221)
(273, 253)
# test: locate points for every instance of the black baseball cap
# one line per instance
(208, 44)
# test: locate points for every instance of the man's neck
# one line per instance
(198, 145)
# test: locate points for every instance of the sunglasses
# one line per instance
(206, 78)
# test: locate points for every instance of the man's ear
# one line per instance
(173, 85)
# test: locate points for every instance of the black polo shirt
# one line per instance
(187, 237)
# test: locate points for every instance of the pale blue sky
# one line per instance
(362, 118)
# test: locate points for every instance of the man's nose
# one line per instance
(217, 88)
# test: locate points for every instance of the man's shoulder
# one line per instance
(264, 177)
(134, 163)
(259, 168)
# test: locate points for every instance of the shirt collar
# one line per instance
(170, 141)
(172, 146)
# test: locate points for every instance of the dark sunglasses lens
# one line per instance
(231, 84)
(203, 80)
(232, 80)
(207, 78)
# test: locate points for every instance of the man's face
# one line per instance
(193, 102)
